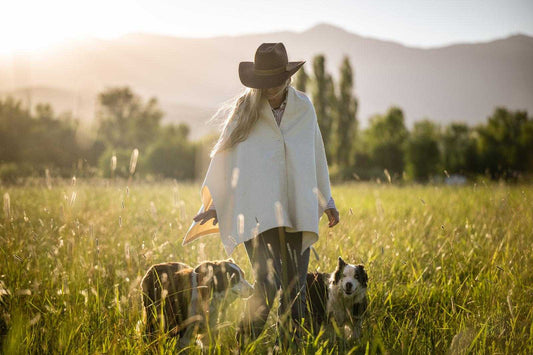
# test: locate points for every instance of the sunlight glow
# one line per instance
(32, 25)
(28, 26)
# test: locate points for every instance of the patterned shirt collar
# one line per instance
(278, 112)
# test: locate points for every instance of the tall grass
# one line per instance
(450, 268)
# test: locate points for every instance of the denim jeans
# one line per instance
(278, 262)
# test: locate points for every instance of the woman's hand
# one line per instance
(206, 216)
(333, 216)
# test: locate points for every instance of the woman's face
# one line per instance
(275, 92)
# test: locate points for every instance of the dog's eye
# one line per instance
(234, 279)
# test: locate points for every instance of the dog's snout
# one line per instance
(246, 290)
(349, 286)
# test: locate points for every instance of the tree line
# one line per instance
(501, 148)
(34, 142)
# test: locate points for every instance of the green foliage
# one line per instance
(505, 143)
(346, 120)
(31, 143)
(503, 147)
(124, 121)
(459, 149)
(449, 267)
(324, 101)
(15, 129)
(41, 141)
(172, 156)
(12, 173)
(422, 153)
(125, 124)
(301, 78)
(385, 140)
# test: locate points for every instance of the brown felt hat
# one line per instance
(270, 68)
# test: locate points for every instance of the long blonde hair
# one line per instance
(237, 116)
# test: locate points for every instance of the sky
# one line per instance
(27, 25)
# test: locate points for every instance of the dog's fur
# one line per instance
(339, 297)
(182, 301)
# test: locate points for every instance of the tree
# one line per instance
(423, 155)
(323, 96)
(43, 141)
(15, 128)
(385, 139)
(125, 122)
(54, 139)
(300, 81)
(346, 121)
(503, 144)
(526, 143)
(172, 155)
(459, 149)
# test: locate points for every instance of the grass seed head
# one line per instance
(240, 218)
(279, 213)
(7, 206)
(387, 175)
(73, 198)
(48, 179)
(234, 177)
(113, 162)
(133, 160)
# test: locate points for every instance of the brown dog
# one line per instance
(182, 301)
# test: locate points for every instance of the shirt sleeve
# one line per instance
(331, 204)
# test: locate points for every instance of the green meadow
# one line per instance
(450, 268)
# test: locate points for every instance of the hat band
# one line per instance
(274, 71)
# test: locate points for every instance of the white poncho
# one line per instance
(277, 177)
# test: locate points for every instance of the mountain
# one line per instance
(191, 77)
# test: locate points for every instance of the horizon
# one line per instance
(512, 34)
(70, 41)
(413, 24)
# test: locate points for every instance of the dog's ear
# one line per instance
(205, 267)
(338, 271)
(230, 260)
(363, 274)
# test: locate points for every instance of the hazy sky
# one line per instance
(27, 25)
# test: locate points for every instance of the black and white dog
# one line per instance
(339, 297)
(183, 301)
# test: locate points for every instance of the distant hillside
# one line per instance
(191, 77)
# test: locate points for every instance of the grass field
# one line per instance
(450, 268)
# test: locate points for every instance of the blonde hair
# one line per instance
(237, 116)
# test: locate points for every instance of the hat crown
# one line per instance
(270, 56)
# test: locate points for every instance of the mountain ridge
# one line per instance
(461, 81)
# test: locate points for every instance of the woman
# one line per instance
(269, 178)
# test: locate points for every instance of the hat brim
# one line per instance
(252, 80)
